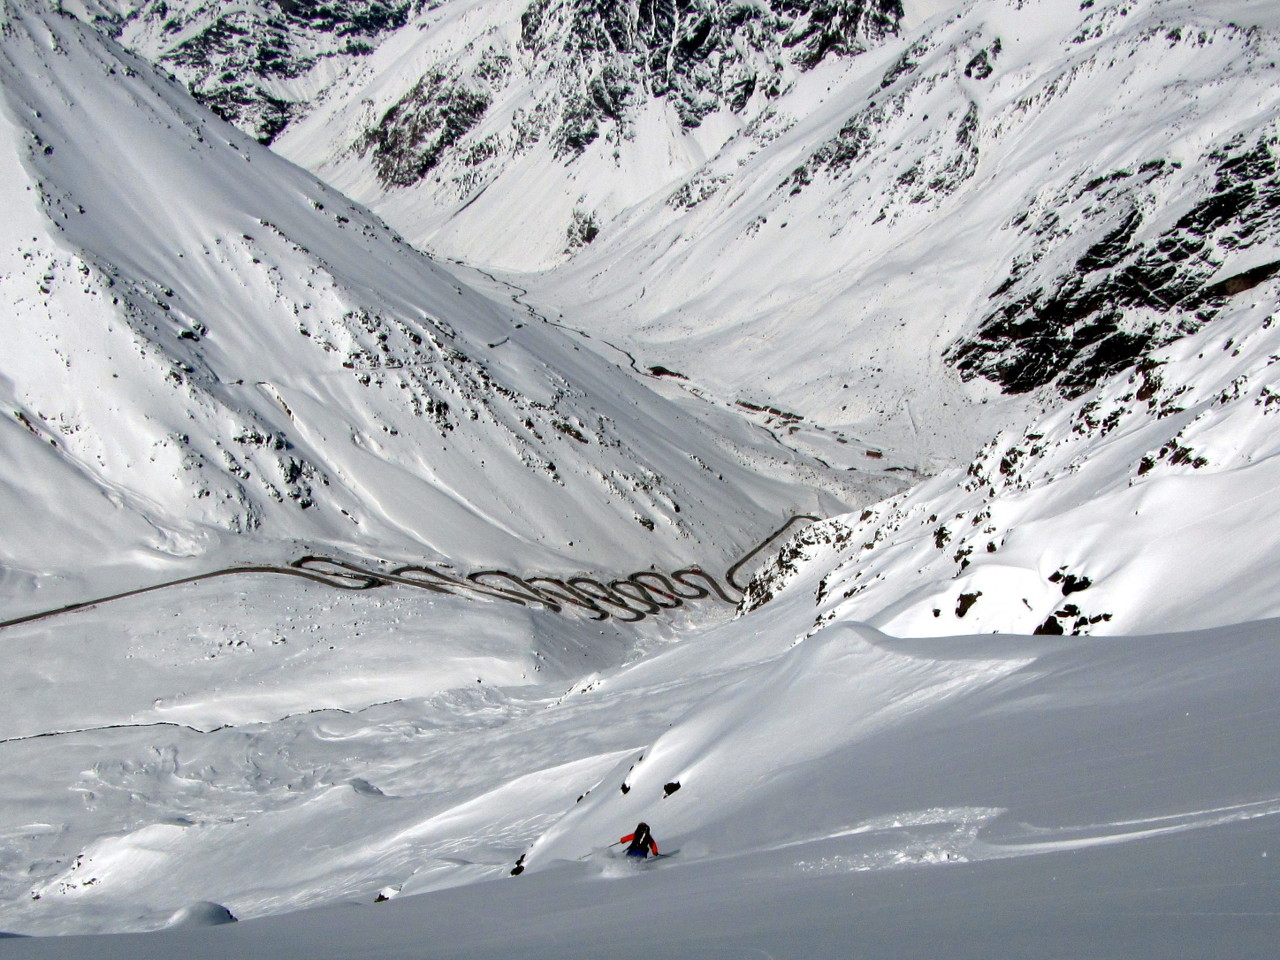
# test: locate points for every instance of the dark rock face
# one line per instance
(1125, 294)
(230, 57)
(701, 55)
(414, 134)
(596, 62)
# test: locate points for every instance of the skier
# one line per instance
(641, 842)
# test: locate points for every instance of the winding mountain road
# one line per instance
(628, 599)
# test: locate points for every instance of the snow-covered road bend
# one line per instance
(628, 599)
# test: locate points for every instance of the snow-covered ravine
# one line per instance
(1019, 189)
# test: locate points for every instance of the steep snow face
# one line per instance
(205, 343)
(484, 123)
(1143, 506)
(856, 752)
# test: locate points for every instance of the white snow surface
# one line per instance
(215, 357)
(836, 789)
(753, 255)
(212, 357)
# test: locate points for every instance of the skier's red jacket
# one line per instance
(653, 844)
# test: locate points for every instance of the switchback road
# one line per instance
(628, 599)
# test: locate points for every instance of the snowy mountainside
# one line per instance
(1022, 196)
(851, 763)
(482, 122)
(256, 64)
(212, 350)
(1145, 505)
(816, 787)
(955, 197)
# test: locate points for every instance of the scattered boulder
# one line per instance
(1070, 582)
(966, 601)
(1051, 627)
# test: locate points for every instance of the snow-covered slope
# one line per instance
(1145, 505)
(844, 787)
(987, 192)
(508, 132)
(207, 348)
(905, 743)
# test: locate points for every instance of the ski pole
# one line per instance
(586, 855)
